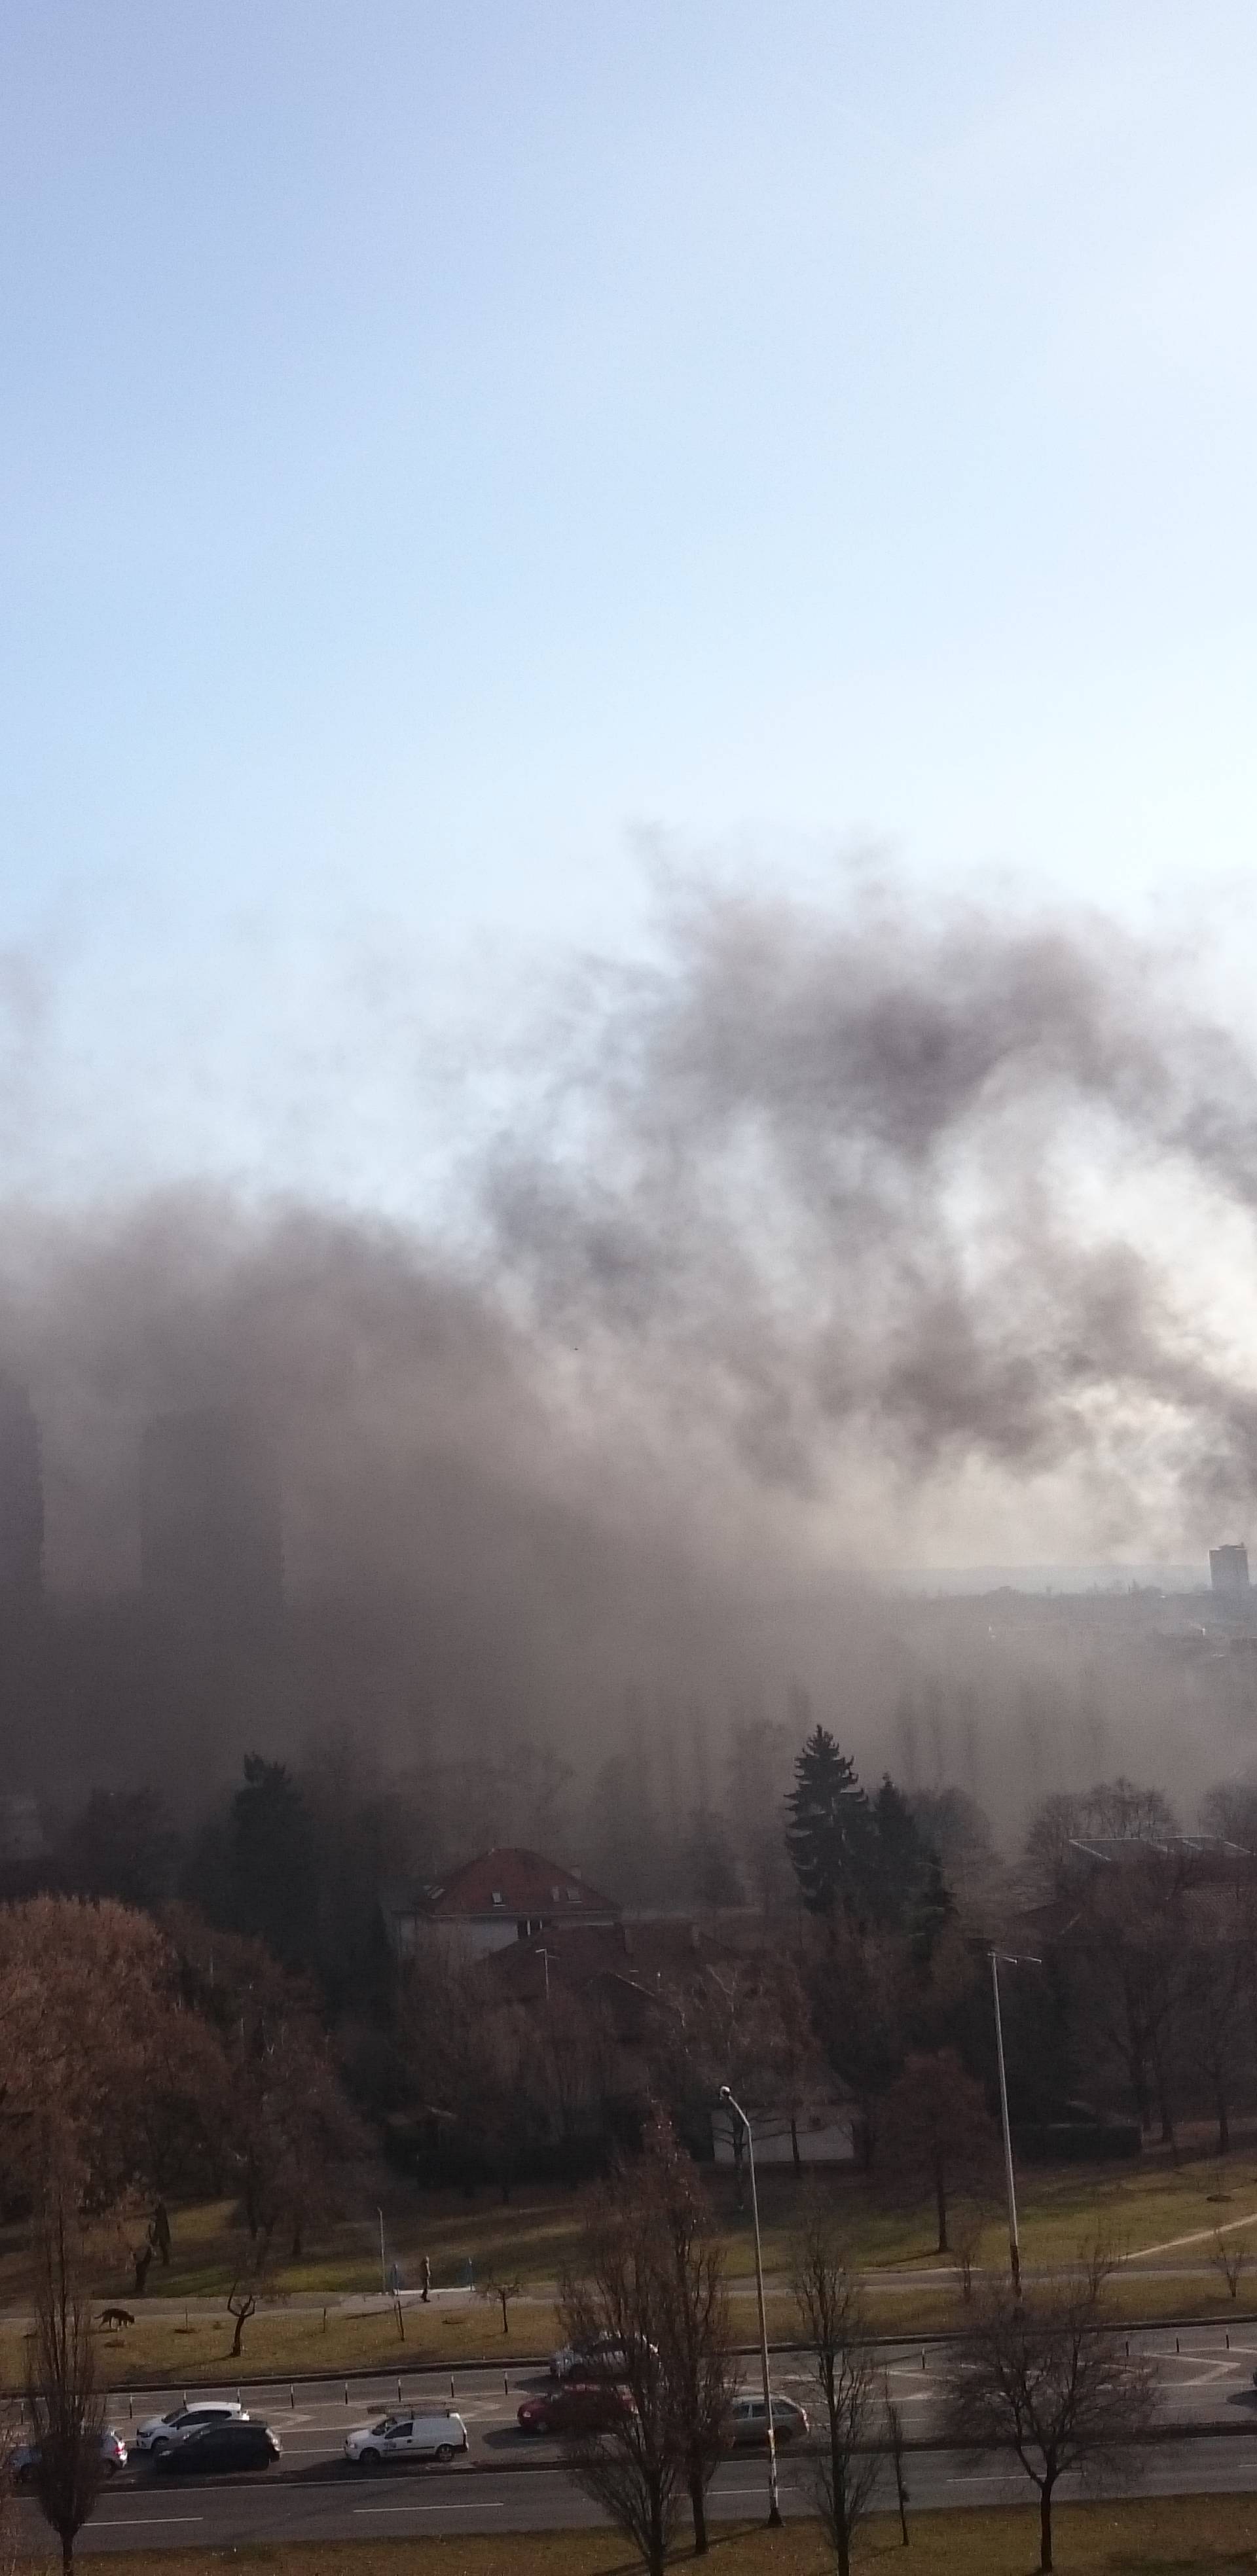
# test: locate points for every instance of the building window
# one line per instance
(573, 1896)
(497, 1896)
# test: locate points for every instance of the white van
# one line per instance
(417, 2433)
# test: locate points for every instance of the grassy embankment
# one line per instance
(1217, 2534)
(1148, 2206)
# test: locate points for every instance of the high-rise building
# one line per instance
(211, 1543)
(21, 1497)
(1228, 1569)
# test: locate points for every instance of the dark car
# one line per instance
(579, 2406)
(220, 2446)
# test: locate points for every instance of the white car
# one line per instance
(162, 2432)
(419, 2433)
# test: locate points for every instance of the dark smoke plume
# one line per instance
(833, 1242)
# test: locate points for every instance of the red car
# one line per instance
(579, 2406)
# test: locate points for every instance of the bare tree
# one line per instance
(634, 2469)
(968, 2219)
(695, 2341)
(65, 2406)
(9, 2538)
(502, 2284)
(938, 2136)
(1231, 2257)
(897, 2445)
(1218, 1991)
(248, 2287)
(827, 2296)
(1049, 2381)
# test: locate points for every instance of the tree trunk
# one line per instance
(1224, 2125)
(658, 2560)
(698, 2509)
(794, 2147)
(67, 2554)
(940, 2203)
(842, 2535)
(237, 2341)
(1139, 2087)
(1045, 2528)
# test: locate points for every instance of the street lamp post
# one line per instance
(1014, 2250)
(774, 2501)
(383, 2271)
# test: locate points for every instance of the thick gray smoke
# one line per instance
(835, 1242)
(945, 1197)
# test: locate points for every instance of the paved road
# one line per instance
(512, 2483)
(330, 2506)
(1208, 2379)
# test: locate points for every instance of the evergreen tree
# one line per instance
(710, 1867)
(901, 1857)
(830, 1835)
(932, 1909)
(271, 1860)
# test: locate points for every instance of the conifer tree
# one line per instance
(830, 1835)
(901, 1857)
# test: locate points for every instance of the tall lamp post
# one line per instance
(774, 2501)
(1010, 1960)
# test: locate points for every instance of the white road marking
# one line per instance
(373, 2512)
(145, 2521)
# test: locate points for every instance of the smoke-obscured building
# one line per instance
(21, 1497)
(211, 1538)
(1228, 1569)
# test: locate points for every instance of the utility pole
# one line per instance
(1014, 2250)
(774, 2501)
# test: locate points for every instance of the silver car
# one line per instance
(24, 2461)
(747, 2421)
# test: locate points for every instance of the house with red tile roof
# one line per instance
(501, 1897)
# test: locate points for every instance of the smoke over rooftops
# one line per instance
(835, 1239)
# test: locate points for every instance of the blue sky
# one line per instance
(450, 451)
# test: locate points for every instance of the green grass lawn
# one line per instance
(1170, 2538)
(160, 2350)
(537, 2233)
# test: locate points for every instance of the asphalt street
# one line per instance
(514, 2483)
(328, 2505)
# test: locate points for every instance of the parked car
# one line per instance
(605, 2358)
(747, 2422)
(238, 2443)
(420, 2433)
(575, 2406)
(160, 2433)
(24, 2461)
